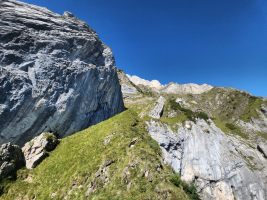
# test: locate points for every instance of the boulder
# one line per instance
(37, 149)
(11, 159)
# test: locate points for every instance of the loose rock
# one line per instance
(37, 149)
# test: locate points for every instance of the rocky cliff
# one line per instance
(55, 74)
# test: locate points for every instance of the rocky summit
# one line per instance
(171, 88)
(55, 74)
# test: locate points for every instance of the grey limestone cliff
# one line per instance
(222, 167)
(55, 74)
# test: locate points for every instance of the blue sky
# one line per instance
(219, 42)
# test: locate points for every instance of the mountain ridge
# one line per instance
(171, 87)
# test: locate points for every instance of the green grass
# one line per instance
(228, 104)
(189, 114)
(135, 173)
(189, 188)
(262, 135)
(173, 121)
(253, 106)
(228, 127)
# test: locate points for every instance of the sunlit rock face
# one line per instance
(55, 74)
(222, 167)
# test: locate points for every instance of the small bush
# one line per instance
(231, 126)
(174, 105)
(202, 115)
(154, 145)
(190, 190)
(176, 180)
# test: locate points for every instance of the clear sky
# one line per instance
(219, 42)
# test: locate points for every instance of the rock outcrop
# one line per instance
(222, 167)
(36, 150)
(157, 111)
(11, 159)
(127, 87)
(155, 84)
(55, 74)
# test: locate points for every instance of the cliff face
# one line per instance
(55, 74)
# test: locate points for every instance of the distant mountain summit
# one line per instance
(171, 88)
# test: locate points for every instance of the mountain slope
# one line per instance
(202, 138)
(174, 142)
(215, 139)
(115, 159)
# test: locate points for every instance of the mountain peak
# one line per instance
(172, 87)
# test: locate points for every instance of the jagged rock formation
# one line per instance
(55, 74)
(171, 88)
(127, 87)
(11, 159)
(37, 149)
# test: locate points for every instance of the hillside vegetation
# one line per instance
(115, 159)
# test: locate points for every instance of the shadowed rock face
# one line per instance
(55, 74)
(11, 159)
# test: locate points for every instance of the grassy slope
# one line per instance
(231, 104)
(225, 107)
(70, 169)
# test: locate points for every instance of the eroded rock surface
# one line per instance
(11, 159)
(127, 87)
(55, 74)
(222, 167)
(36, 150)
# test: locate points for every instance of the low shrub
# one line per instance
(190, 189)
